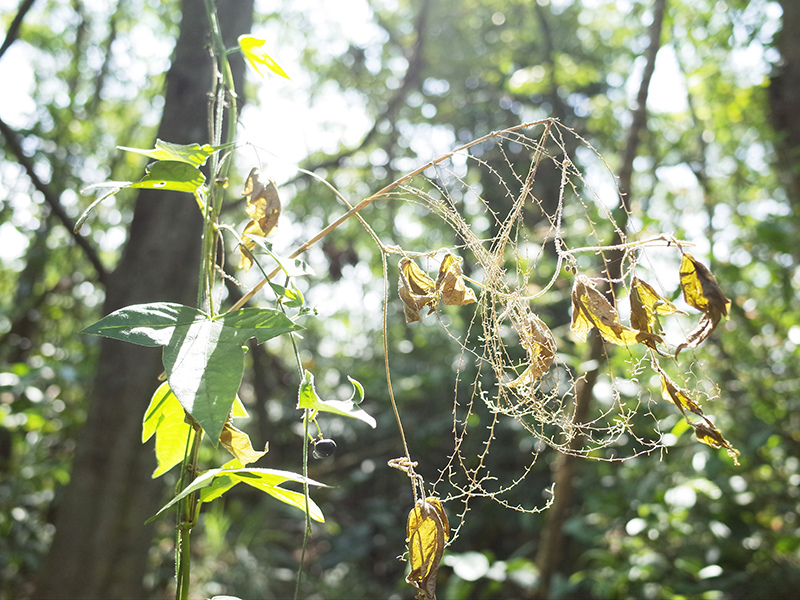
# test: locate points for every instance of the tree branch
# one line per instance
(410, 79)
(13, 29)
(52, 199)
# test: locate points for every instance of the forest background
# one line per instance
(378, 89)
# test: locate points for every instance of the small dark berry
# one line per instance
(324, 448)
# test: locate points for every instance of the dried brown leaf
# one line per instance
(416, 290)
(537, 339)
(700, 290)
(679, 397)
(427, 532)
(450, 282)
(646, 304)
(705, 431)
(263, 208)
(708, 434)
(591, 309)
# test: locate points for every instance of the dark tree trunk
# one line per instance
(101, 544)
(550, 556)
(784, 97)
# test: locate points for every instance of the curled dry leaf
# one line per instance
(450, 282)
(708, 434)
(238, 443)
(700, 290)
(679, 397)
(537, 340)
(263, 208)
(590, 309)
(417, 290)
(646, 305)
(705, 431)
(427, 532)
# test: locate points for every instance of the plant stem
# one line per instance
(187, 515)
(224, 96)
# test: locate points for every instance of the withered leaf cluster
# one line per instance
(590, 309)
(417, 290)
(263, 208)
(427, 532)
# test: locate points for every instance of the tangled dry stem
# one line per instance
(521, 254)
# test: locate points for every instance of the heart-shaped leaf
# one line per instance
(203, 356)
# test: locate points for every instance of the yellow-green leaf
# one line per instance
(165, 417)
(215, 482)
(173, 175)
(237, 442)
(307, 398)
(253, 51)
(427, 532)
(193, 154)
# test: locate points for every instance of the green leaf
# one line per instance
(165, 418)
(291, 296)
(203, 357)
(260, 323)
(308, 399)
(192, 154)
(266, 480)
(171, 175)
(253, 51)
(145, 324)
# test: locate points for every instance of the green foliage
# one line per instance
(307, 399)
(215, 482)
(203, 355)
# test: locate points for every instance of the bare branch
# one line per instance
(13, 29)
(52, 199)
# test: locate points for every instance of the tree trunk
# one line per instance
(565, 468)
(784, 97)
(101, 544)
